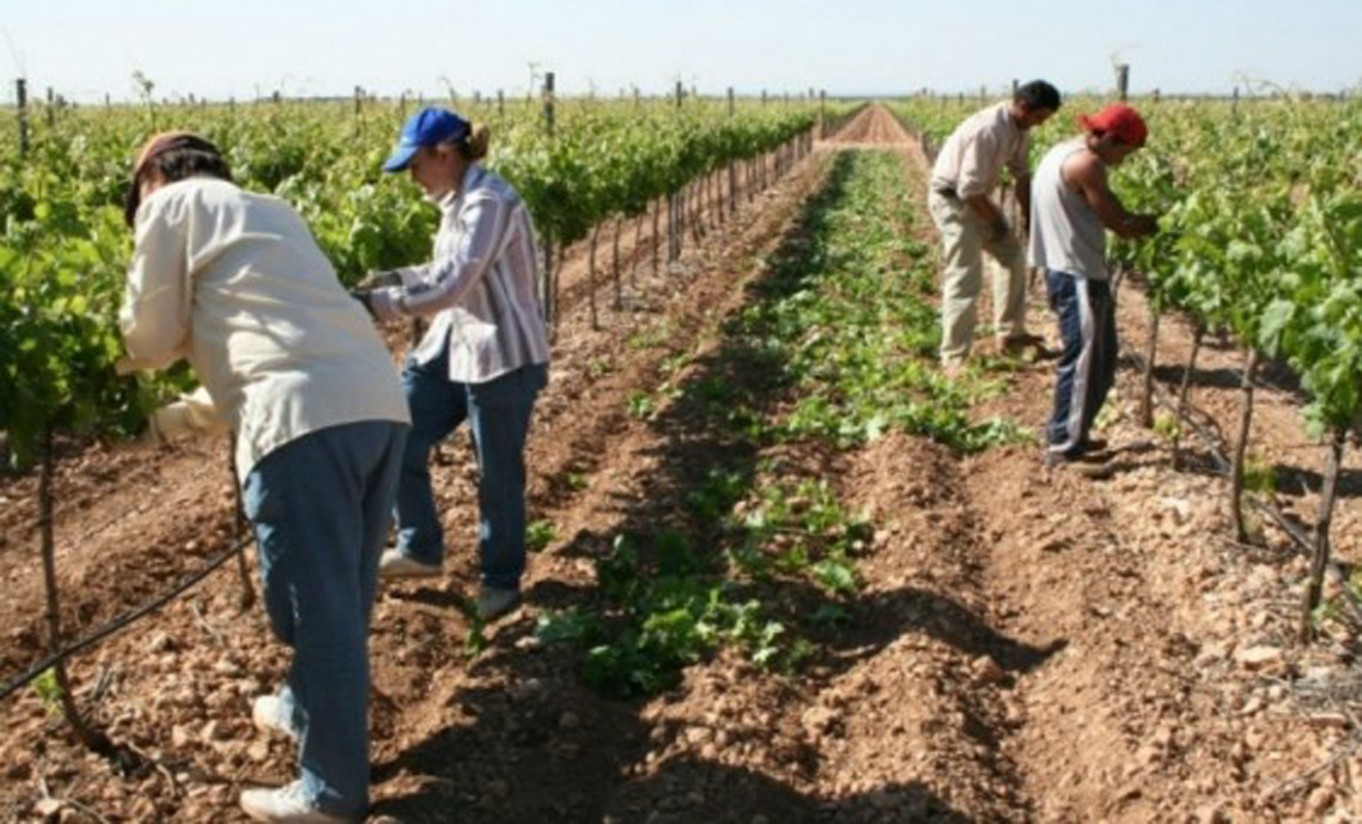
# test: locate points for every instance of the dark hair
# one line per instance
(1037, 95)
(191, 158)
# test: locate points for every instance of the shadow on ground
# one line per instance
(542, 746)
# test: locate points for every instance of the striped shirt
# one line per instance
(481, 285)
(972, 158)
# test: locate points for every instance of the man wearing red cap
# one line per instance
(1072, 207)
(967, 169)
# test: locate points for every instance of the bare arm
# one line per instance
(1088, 174)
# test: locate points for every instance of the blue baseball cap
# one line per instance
(428, 127)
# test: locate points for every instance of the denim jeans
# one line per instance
(498, 414)
(321, 506)
(1087, 365)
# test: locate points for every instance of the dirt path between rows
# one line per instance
(1026, 645)
(1161, 678)
(1178, 692)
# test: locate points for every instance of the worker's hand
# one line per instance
(1141, 225)
(189, 416)
(379, 280)
(366, 299)
(178, 421)
(999, 229)
(164, 424)
(123, 366)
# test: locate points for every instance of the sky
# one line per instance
(85, 49)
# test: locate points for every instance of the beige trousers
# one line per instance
(964, 239)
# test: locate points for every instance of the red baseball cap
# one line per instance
(1121, 120)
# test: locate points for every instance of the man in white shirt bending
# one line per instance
(967, 170)
(234, 282)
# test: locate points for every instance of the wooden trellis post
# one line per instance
(21, 93)
(92, 738)
(550, 279)
(1320, 561)
(732, 164)
(1241, 446)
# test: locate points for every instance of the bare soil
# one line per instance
(1027, 644)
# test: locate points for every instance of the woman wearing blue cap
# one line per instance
(484, 359)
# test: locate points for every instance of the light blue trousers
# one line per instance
(498, 413)
(321, 506)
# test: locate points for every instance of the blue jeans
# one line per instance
(321, 506)
(498, 414)
(1087, 365)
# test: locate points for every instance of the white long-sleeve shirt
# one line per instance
(972, 159)
(235, 282)
(481, 285)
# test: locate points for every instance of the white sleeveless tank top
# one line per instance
(1066, 234)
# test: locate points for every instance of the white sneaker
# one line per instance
(953, 370)
(494, 602)
(285, 804)
(269, 716)
(393, 564)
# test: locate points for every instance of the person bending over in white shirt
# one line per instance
(234, 282)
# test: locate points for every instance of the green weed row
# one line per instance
(854, 313)
(836, 348)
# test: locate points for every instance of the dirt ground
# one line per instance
(1027, 645)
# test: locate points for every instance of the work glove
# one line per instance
(380, 280)
(191, 416)
(999, 229)
(1143, 225)
(366, 299)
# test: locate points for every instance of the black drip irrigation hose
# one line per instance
(1299, 537)
(118, 624)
